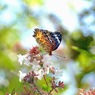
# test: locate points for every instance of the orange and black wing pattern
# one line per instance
(50, 41)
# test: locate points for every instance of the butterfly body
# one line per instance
(50, 41)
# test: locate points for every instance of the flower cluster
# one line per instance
(40, 63)
(89, 92)
(41, 66)
(56, 85)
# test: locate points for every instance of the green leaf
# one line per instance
(46, 87)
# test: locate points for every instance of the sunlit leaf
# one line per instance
(33, 2)
(45, 87)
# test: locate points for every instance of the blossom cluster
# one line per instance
(89, 92)
(40, 64)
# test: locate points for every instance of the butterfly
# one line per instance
(50, 41)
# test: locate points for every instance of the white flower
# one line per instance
(21, 75)
(57, 73)
(47, 62)
(39, 74)
(21, 58)
(24, 59)
(35, 65)
(27, 61)
(46, 70)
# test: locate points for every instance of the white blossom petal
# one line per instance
(21, 75)
(27, 61)
(21, 58)
(40, 74)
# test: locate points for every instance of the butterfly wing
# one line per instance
(50, 41)
(56, 38)
(42, 38)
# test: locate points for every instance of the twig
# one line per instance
(37, 89)
(45, 80)
(50, 92)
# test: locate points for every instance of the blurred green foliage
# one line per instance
(10, 35)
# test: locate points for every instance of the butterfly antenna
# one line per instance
(58, 56)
